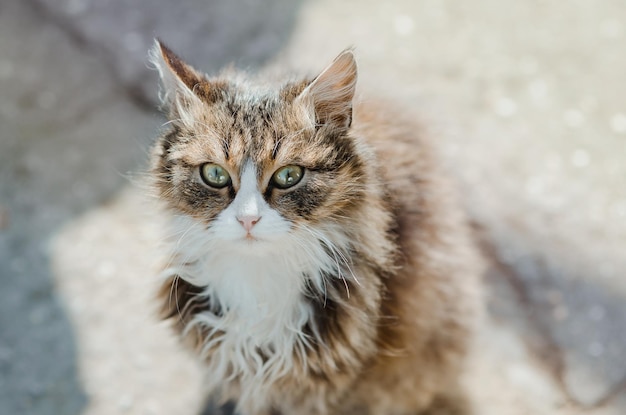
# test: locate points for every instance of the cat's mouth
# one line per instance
(253, 244)
(250, 238)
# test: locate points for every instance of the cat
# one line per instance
(320, 264)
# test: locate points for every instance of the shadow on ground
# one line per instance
(569, 316)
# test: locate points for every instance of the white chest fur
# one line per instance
(260, 289)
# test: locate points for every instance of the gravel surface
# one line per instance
(526, 99)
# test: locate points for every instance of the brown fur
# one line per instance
(396, 343)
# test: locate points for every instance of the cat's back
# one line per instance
(438, 262)
(406, 155)
(432, 297)
(430, 222)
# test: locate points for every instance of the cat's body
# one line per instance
(320, 265)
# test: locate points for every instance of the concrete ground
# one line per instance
(526, 99)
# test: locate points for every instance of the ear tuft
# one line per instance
(179, 80)
(331, 92)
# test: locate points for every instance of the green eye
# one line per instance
(214, 175)
(287, 176)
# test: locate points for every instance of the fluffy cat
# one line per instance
(319, 264)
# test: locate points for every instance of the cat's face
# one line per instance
(253, 166)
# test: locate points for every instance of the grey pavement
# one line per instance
(526, 99)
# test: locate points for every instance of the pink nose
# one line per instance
(248, 221)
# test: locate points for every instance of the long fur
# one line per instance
(254, 331)
(355, 292)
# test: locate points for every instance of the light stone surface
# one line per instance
(526, 99)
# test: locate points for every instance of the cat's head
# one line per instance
(253, 163)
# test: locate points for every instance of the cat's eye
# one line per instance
(214, 175)
(287, 176)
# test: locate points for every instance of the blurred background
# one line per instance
(525, 98)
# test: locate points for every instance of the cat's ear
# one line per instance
(328, 98)
(180, 81)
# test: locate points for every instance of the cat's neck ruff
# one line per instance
(260, 289)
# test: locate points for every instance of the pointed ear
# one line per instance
(179, 80)
(329, 96)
